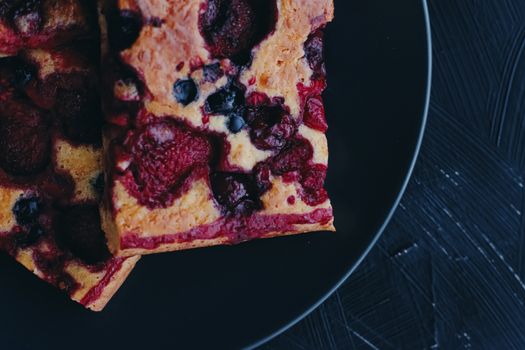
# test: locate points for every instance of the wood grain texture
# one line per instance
(449, 272)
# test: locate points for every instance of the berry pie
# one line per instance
(215, 122)
(51, 149)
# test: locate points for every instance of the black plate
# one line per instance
(229, 297)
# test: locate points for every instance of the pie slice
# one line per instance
(51, 159)
(216, 123)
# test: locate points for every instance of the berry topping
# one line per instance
(237, 193)
(232, 28)
(24, 14)
(31, 235)
(294, 164)
(270, 126)
(313, 178)
(79, 110)
(185, 91)
(165, 154)
(26, 210)
(225, 100)
(14, 72)
(262, 177)
(78, 229)
(236, 123)
(24, 139)
(314, 115)
(313, 49)
(293, 157)
(123, 29)
(212, 72)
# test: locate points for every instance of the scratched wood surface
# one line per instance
(449, 272)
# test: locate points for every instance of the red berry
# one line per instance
(24, 139)
(293, 157)
(232, 28)
(314, 115)
(270, 126)
(313, 178)
(164, 154)
(237, 193)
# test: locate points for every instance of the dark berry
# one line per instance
(313, 49)
(98, 183)
(236, 123)
(78, 108)
(24, 139)
(23, 7)
(155, 22)
(23, 73)
(232, 28)
(78, 229)
(262, 178)
(270, 126)
(28, 23)
(6, 6)
(27, 210)
(123, 29)
(165, 154)
(235, 192)
(212, 72)
(294, 157)
(313, 176)
(185, 91)
(224, 101)
(24, 15)
(31, 235)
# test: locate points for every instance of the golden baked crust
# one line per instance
(169, 46)
(51, 154)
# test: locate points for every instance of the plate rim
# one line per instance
(406, 180)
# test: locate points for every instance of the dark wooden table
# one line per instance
(449, 272)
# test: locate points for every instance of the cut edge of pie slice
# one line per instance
(216, 125)
(51, 152)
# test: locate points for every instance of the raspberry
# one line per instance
(314, 115)
(165, 153)
(293, 157)
(270, 126)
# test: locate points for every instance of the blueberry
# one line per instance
(212, 72)
(224, 101)
(123, 29)
(26, 210)
(235, 123)
(33, 234)
(185, 91)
